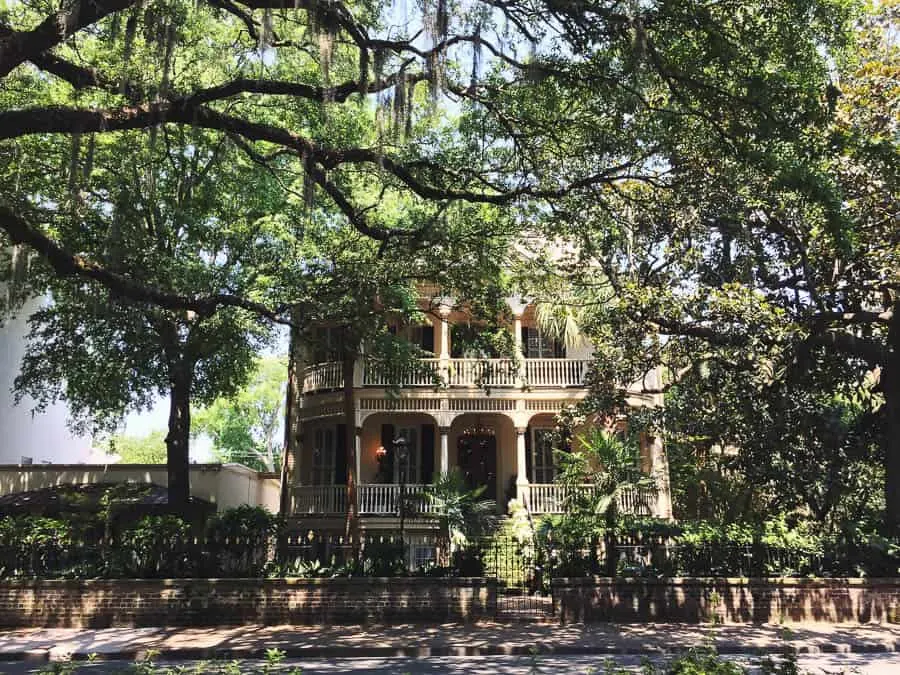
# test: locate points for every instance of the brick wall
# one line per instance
(726, 600)
(211, 602)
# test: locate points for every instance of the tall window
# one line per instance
(412, 466)
(323, 457)
(540, 346)
(542, 467)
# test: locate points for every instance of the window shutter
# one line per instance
(427, 338)
(529, 471)
(340, 455)
(387, 442)
(525, 352)
(427, 453)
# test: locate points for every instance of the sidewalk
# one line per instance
(440, 640)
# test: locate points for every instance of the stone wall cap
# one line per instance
(731, 581)
(254, 581)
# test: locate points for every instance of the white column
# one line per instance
(444, 459)
(521, 464)
(358, 455)
(445, 334)
(517, 332)
(659, 469)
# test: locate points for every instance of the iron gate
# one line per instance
(523, 578)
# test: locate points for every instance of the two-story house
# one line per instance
(489, 417)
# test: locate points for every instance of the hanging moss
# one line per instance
(74, 157)
(88, 159)
(399, 108)
(266, 34)
(476, 54)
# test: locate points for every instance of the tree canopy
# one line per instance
(719, 177)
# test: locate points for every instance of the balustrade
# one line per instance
(432, 372)
(320, 499)
(555, 372)
(378, 499)
(541, 498)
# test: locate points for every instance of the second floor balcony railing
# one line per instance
(433, 373)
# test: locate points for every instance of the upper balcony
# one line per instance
(436, 373)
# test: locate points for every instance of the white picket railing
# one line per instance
(320, 499)
(482, 373)
(541, 498)
(383, 499)
(376, 374)
(322, 376)
(489, 373)
(555, 372)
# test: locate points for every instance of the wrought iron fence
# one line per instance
(521, 566)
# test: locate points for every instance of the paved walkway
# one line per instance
(441, 640)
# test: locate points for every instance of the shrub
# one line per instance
(156, 546)
(239, 542)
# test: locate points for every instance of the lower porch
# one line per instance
(509, 457)
(384, 499)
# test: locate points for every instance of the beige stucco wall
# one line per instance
(226, 485)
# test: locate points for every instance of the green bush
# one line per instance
(239, 542)
(156, 546)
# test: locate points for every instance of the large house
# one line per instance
(489, 417)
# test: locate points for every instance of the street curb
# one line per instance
(54, 654)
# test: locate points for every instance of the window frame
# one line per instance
(540, 448)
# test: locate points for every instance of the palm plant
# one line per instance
(610, 464)
(461, 513)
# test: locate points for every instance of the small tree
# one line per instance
(610, 464)
(149, 449)
(461, 513)
(245, 427)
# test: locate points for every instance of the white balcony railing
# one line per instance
(547, 498)
(375, 499)
(384, 499)
(482, 372)
(488, 373)
(555, 372)
(375, 374)
(320, 499)
(322, 376)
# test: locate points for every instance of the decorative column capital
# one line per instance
(517, 305)
(445, 306)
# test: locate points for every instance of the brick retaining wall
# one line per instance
(726, 600)
(214, 602)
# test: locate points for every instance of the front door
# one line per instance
(477, 459)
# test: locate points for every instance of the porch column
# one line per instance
(517, 306)
(358, 453)
(444, 458)
(444, 312)
(521, 465)
(659, 469)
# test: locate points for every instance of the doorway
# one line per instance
(477, 460)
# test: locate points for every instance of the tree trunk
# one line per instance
(291, 436)
(352, 524)
(178, 438)
(890, 386)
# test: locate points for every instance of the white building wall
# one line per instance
(43, 437)
(225, 485)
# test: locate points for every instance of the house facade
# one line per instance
(490, 418)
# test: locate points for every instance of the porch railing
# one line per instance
(320, 499)
(549, 498)
(555, 372)
(374, 499)
(322, 376)
(490, 373)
